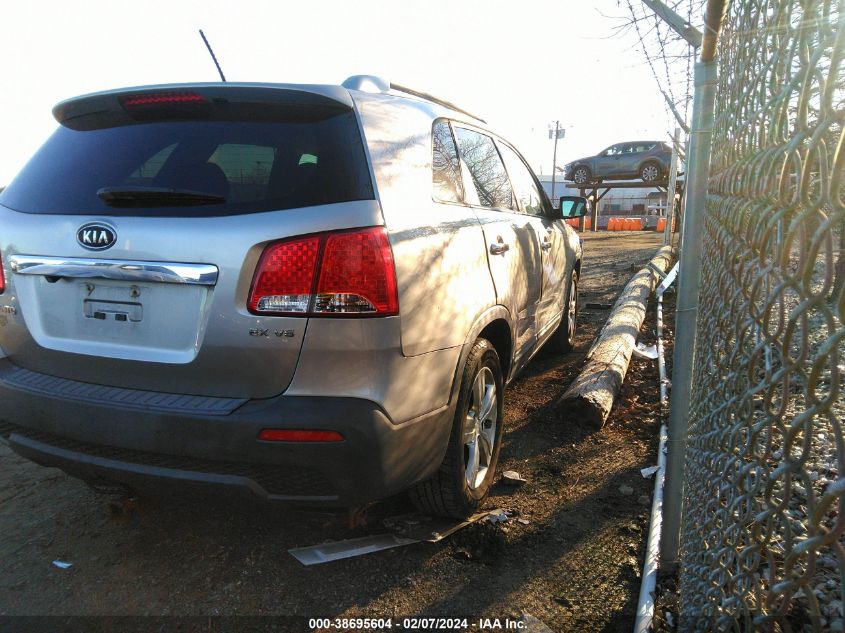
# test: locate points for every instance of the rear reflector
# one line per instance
(346, 273)
(161, 98)
(298, 435)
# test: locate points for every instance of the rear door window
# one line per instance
(299, 159)
(485, 166)
(445, 166)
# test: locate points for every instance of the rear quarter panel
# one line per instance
(439, 249)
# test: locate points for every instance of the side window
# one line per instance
(613, 150)
(523, 183)
(445, 166)
(486, 169)
(639, 148)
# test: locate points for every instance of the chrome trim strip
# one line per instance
(120, 270)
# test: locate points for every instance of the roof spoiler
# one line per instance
(110, 104)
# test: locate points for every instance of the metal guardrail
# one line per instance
(762, 544)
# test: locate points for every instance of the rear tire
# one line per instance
(651, 172)
(563, 340)
(461, 484)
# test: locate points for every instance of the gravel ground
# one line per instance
(569, 555)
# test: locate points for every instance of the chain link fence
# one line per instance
(762, 543)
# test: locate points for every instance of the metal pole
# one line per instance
(687, 31)
(698, 163)
(554, 162)
(670, 194)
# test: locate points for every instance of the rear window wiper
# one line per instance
(156, 197)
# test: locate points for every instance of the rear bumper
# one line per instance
(176, 451)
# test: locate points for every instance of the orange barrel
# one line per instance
(638, 224)
(588, 224)
(613, 224)
(661, 225)
(629, 224)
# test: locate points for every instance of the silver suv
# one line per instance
(306, 293)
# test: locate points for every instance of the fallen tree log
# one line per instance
(591, 394)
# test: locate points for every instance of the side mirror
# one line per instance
(573, 207)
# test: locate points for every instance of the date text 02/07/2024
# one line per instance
(413, 624)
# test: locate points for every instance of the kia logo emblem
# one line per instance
(96, 236)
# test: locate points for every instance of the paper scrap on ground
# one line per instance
(512, 477)
(62, 564)
(648, 472)
(499, 516)
(641, 351)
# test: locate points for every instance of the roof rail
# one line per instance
(371, 83)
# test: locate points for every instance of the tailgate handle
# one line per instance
(119, 270)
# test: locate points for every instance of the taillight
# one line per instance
(356, 274)
(348, 273)
(284, 279)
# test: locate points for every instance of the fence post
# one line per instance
(670, 194)
(698, 163)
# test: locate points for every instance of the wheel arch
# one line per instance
(495, 325)
(653, 161)
(586, 166)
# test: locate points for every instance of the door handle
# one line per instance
(499, 248)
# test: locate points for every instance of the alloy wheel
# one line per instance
(580, 176)
(650, 173)
(572, 310)
(479, 429)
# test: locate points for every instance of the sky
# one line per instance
(519, 65)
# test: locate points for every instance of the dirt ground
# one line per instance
(570, 555)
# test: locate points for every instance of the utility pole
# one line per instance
(557, 135)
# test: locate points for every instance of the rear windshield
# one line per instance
(245, 167)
